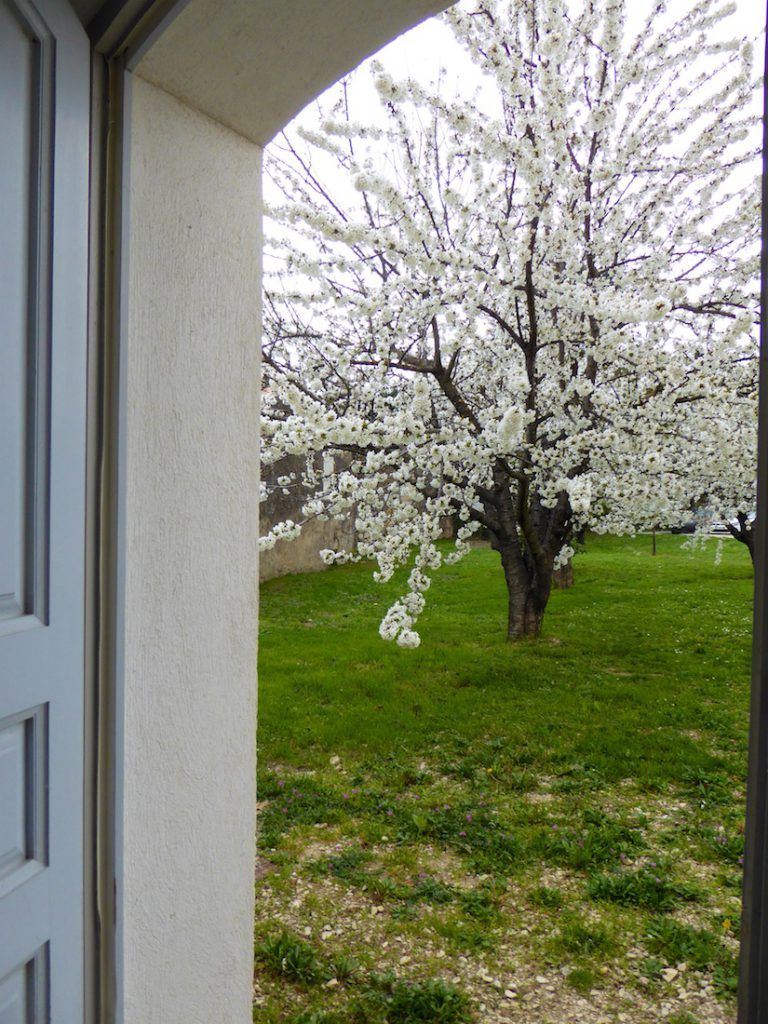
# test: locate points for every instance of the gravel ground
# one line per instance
(515, 979)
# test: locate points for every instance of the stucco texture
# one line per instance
(190, 591)
(279, 53)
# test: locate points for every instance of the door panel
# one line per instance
(44, 114)
(26, 88)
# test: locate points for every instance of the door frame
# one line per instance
(119, 33)
(753, 977)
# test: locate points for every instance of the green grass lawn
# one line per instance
(566, 810)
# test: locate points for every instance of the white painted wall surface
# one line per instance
(190, 583)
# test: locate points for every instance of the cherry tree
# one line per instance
(716, 460)
(492, 304)
(701, 463)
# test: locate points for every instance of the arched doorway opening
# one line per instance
(184, 616)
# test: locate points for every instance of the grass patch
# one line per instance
(708, 786)
(728, 848)
(471, 797)
(598, 841)
(351, 867)
(582, 979)
(287, 956)
(316, 1017)
(699, 948)
(578, 938)
(346, 866)
(388, 1000)
(546, 897)
(595, 708)
(651, 888)
(300, 802)
(466, 936)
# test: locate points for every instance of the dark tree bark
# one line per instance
(744, 533)
(527, 550)
(528, 590)
(562, 578)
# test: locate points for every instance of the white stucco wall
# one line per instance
(253, 64)
(190, 582)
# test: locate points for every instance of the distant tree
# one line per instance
(495, 306)
(717, 457)
(701, 464)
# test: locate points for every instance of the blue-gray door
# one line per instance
(44, 110)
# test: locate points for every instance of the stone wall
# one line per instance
(302, 554)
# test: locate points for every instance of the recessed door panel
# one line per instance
(13, 799)
(24, 992)
(14, 1004)
(17, 58)
(23, 796)
(27, 51)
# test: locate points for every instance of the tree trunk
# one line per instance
(653, 541)
(750, 542)
(747, 537)
(528, 539)
(745, 534)
(528, 590)
(526, 611)
(562, 578)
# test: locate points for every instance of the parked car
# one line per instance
(689, 527)
(723, 527)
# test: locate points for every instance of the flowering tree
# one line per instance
(496, 311)
(702, 462)
(717, 450)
